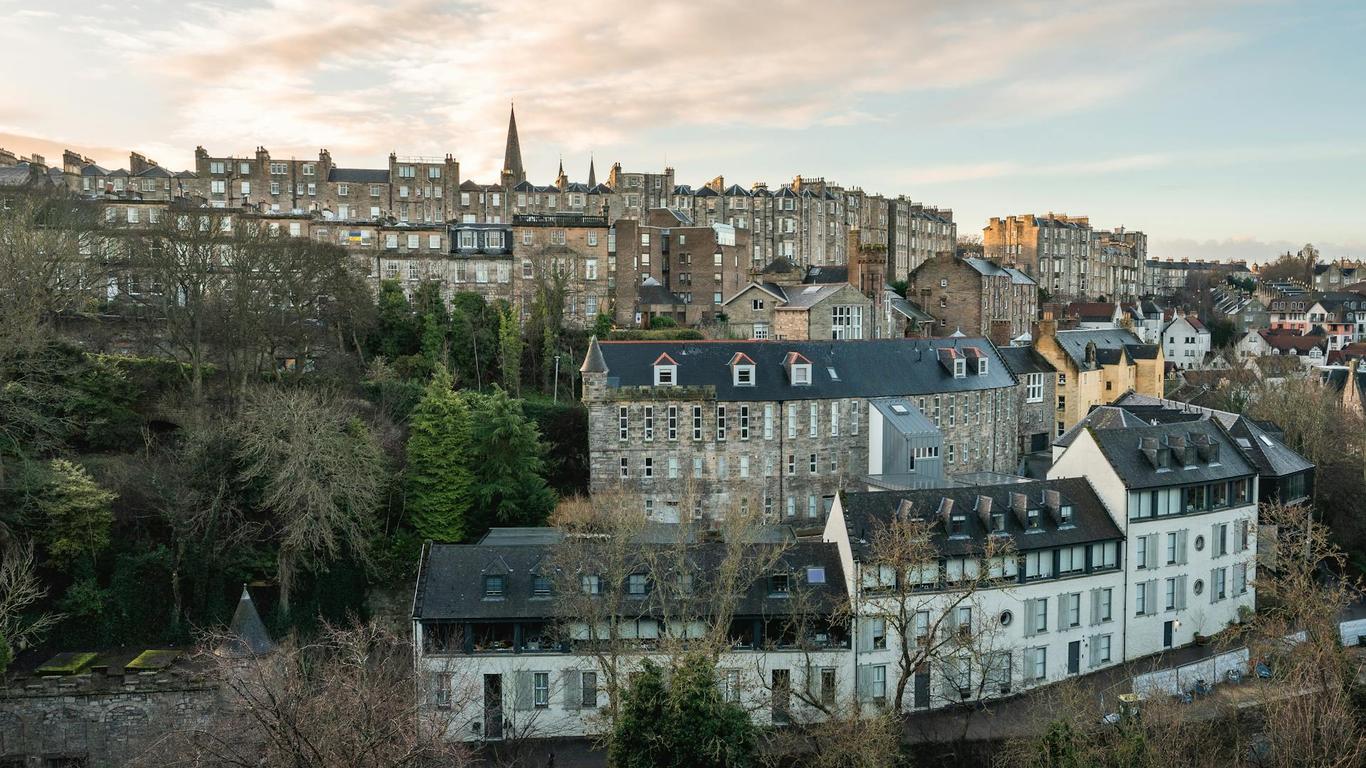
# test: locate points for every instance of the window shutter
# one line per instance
(950, 622)
(1150, 597)
(1214, 541)
(1095, 606)
(865, 634)
(1181, 537)
(813, 682)
(1181, 592)
(521, 690)
(1152, 550)
(573, 689)
(1029, 629)
(1095, 650)
(1211, 588)
(864, 682)
(1062, 611)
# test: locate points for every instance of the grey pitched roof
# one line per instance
(1100, 417)
(1024, 360)
(246, 635)
(780, 266)
(593, 362)
(865, 368)
(651, 291)
(735, 190)
(826, 275)
(450, 582)
(807, 296)
(908, 309)
(1074, 343)
(864, 511)
(359, 175)
(1260, 445)
(1122, 448)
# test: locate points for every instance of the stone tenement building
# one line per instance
(1067, 257)
(1096, 366)
(694, 429)
(699, 264)
(916, 233)
(975, 297)
(808, 220)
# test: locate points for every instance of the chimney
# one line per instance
(1048, 326)
(1001, 333)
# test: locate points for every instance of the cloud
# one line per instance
(436, 76)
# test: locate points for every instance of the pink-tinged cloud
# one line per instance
(429, 77)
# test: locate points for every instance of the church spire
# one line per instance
(512, 157)
(592, 175)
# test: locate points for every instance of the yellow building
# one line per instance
(1097, 366)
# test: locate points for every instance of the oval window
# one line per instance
(1006, 618)
(1199, 586)
(1199, 544)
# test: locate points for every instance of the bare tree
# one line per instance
(320, 470)
(922, 609)
(346, 698)
(20, 591)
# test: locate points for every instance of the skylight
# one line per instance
(899, 409)
(833, 375)
(1265, 440)
(811, 289)
(1244, 443)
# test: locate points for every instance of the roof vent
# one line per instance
(983, 509)
(945, 509)
(1019, 504)
(1053, 501)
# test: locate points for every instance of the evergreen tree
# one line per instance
(433, 324)
(78, 512)
(509, 486)
(602, 325)
(395, 334)
(685, 723)
(510, 350)
(438, 483)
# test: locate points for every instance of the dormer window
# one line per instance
(960, 368)
(981, 366)
(778, 585)
(798, 369)
(1065, 514)
(1032, 520)
(493, 587)
(958, 525)
(742, 370)
(540, 586)
(666, 371)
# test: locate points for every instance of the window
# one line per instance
(1104, 599)
(1038, 662)
(1040, 617)
(1141, 552)
(588, 685)
(1218, 579)
(493, 587)
(540, 689)
(720, 422)
(1034, 388)
(649, 423)
(877, 631)
(591, 584)
(878, 682)
(744, 375)
(697, 422)
(846, 322)
(636, 584)
(665, 375)
(625, 467)
(649, 470)
(744, 422)
(622, 422)
(540, 586)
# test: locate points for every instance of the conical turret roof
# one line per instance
(246, 634)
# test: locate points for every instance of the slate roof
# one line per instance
(1092, 311)
(1074, 343)
(1122, 448)
(808, 296)
(992, 269)
(907, 308)
(1268, 453)
(780, 266)
(450, 582)
(246, 635)
(863, 368)
(1022, 360)
(1100, 417)
(652, 292)
(825, 275)
(359, 175)
(864, 511)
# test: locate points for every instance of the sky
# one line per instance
(1222, 128)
